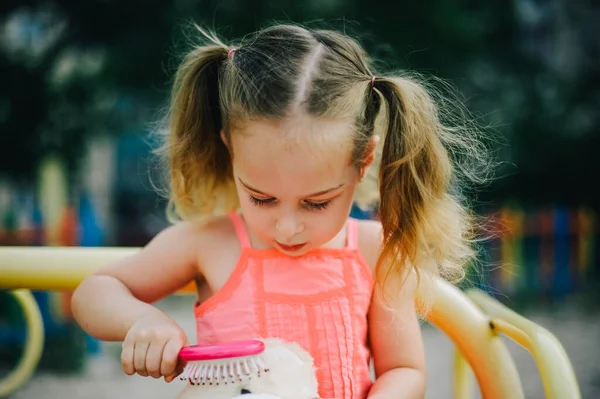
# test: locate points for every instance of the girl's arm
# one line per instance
(397, 343)
(110, 300)
(394, 329)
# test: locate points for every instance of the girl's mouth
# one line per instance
(290, 248)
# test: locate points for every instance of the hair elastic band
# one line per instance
(230, 52)
(373, 81)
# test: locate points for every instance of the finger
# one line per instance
(127, 358)
(178, 370)
(140, 351)
(154, 359)
(171, 365)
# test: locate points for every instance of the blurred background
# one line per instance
(83, 82)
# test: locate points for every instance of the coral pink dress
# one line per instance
(319, 300)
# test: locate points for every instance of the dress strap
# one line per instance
(240, 229)
(352, 233)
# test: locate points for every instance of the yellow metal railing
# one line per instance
(486, 354)
(462, 387)
(558, 378)
(471, 321)
(34, 344)
(53, 268)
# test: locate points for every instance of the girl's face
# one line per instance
(295, 181)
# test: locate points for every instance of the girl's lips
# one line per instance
(290, 248)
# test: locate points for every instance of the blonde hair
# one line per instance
(424, 157)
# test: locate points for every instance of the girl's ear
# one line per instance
(369, 155)
(224, 139)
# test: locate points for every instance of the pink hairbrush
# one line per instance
(222, 363)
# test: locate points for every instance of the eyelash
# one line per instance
(317, 206)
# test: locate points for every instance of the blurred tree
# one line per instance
(78, 68)
(73, 69)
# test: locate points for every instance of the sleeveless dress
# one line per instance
(319, 300)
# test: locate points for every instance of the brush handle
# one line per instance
(226, 350)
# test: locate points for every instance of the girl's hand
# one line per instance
(151, 348)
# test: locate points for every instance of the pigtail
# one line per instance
(425, 227)
(200, 164)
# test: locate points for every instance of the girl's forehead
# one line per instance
(300, 158)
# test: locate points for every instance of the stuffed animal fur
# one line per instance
(291, 376)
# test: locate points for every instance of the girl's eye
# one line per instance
(318, 206)
(260, 201)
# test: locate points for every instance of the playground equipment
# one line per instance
(472, 319)
(34, 343)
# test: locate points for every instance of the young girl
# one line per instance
(272, 139)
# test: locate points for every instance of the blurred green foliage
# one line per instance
(530, 69)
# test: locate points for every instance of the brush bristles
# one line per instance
(223, 371)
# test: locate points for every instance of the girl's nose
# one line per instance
(288, 226)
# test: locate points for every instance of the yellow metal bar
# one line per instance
(469, 328)
(34, 345)
(462, 387)
(58, 268)
(511, 331)
(53, 268)
(556, 371)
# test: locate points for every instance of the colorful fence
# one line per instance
(549, 252)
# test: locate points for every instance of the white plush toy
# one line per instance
(290, 375)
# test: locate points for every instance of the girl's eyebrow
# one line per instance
(317, 194)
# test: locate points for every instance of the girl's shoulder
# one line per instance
(206, 231)
(212, 231)
(216, 241)
(370, 238)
